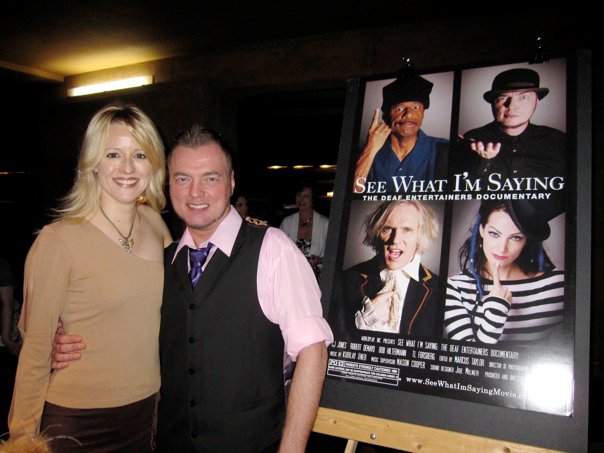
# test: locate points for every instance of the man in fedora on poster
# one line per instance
(396, 145)
(511, 145)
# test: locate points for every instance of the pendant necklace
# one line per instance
(126, 242)
(305, 222)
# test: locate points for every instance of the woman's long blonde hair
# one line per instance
(84, 196)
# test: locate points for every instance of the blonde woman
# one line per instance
(99, 268)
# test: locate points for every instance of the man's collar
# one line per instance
(421, 135)
(223, 237)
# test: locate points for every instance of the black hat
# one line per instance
(531, 217)
(515, 79)
(406, 89)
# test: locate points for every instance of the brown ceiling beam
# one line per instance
(31, 71)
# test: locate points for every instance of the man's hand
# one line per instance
(485, 150)
(379, 132)
(65, 348)
(498, 290)
(382, 304)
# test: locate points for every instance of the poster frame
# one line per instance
(568, 433)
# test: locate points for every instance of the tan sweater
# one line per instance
(109, 297)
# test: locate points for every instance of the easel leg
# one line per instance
(351, 446)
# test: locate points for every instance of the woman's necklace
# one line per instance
(305, 222)
(126, 242)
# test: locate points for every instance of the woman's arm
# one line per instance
(319, 238)
(469, 320)
(46, 283)
(289, 225)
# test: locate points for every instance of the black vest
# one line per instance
(221, 358)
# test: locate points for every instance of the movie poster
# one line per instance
(455, 276)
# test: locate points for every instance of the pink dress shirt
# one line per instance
(287, 287)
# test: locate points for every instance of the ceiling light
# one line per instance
(327, 167)
(277, 167)
(111, 86)
(301, 167)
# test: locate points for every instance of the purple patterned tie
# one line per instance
(196, 259)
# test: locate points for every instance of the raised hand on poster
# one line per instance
(379, 132)
(498, 290)
(485, 150)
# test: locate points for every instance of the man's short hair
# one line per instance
(427, 229)
(196, 136)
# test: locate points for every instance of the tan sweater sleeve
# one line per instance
(46, 283)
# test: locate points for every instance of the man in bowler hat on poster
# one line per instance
(511, 145)
(396, 145)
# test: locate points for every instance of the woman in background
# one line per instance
(509, 290)
(307, 228)
(241, 206)
(98, 267)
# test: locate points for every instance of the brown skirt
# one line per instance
(127, 428)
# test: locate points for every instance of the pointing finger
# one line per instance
(376, 118)
(496, 281)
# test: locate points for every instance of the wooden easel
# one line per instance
(405, 436)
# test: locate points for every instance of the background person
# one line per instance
(240, 204)
(98, 268)
(307, 228)
(508, 290)
(9, 348)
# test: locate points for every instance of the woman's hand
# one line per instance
(315, 260)
(498, 290)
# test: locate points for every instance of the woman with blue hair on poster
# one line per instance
(508, 290)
